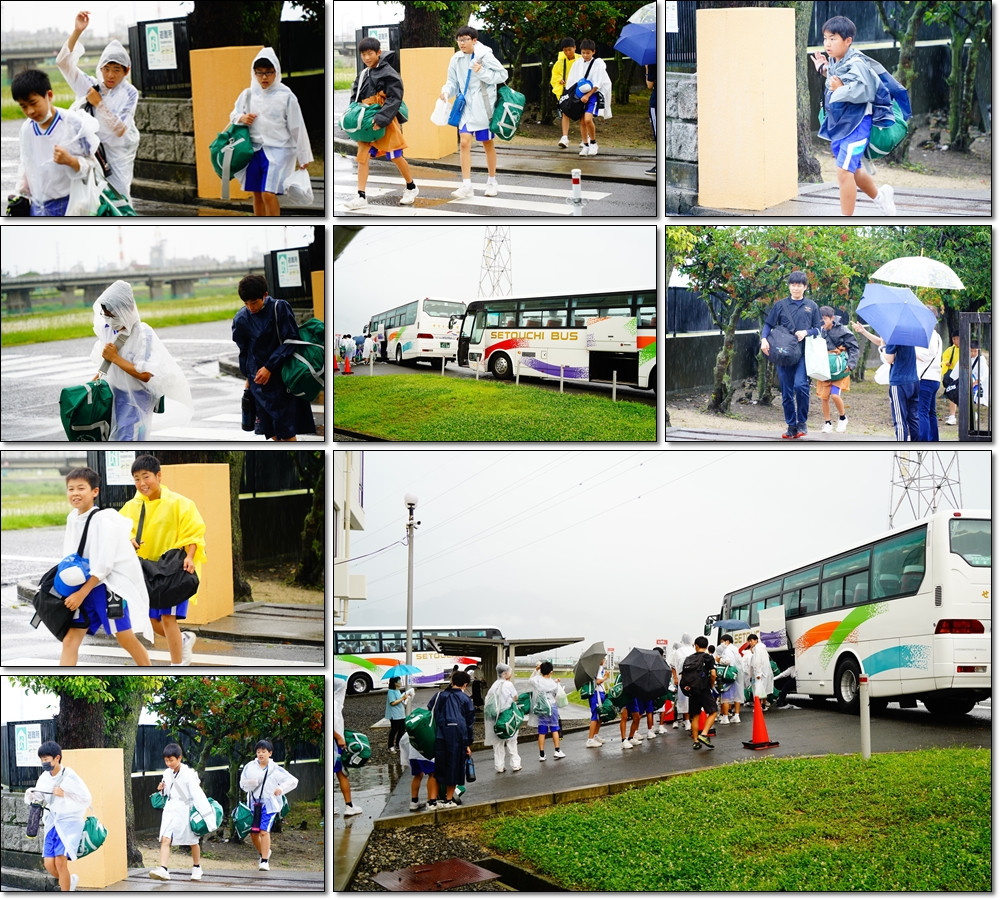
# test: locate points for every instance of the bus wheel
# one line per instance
(500, 366)
(359, 684)
(399, 355)
(845, 686)
(943, 707)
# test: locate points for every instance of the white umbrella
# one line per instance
(644, 14)
(920, 271)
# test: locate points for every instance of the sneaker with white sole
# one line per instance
(663, 729)
(687, 724)
(592, 150)
(358, 202)
(491, 189)
(160, 873)
(636, 738)
(735, 720)
(196, 873)
(599, 739)
(352, 810)
(263, 866)
(559, 755)
(884, 200)
(464, 192)
(564, 142)
(950, 421)
(74, 880)
(650, 735)
(409, 196)
(842, 425)
(626, 744)
(827, 428)
(676, 724)
(592, 743)
(723, 720)
(585, 150)
(417, 805)
(187, 647)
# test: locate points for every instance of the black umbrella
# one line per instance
(645, 674)
(590, 661)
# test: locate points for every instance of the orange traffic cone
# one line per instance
(335, 368)
(347, 366)
(760, 740)
(702, 718)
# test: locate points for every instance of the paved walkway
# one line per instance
(717, 434)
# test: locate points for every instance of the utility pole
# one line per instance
(495, 275)
(922, 481)
(411, 527)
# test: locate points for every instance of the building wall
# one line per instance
(680, 140)
(164, 164)
(348, 515)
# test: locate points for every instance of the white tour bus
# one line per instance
(579, 337)
(422, 329)
(362, 655)
(910, 609)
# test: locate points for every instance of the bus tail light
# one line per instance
(424, 337)
(972, 670)
(959, 626)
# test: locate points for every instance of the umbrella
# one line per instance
(588, 664)
(731, 624)
(645, 674)
(638, 41)
(401, 670)
(644, 14)
(897, 315)
(920, 271)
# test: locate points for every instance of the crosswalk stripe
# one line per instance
(504, 188)
(450, 208)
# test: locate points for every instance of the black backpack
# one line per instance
(694, 678)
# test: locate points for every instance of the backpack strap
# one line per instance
(142, 518)
(86, 528)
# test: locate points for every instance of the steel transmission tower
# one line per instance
(495, 276)
(923, 481)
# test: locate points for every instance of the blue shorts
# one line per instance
(180, 610)
(482, 135)
(422, 767)
(548, 724)
(648, 707)
(848, 151)
(95, 605)
(53, 846)
(55, 207)
(592, 106)
(266, 820)
(336, 758)
(632, 707)
(388, 154)
(596, 700)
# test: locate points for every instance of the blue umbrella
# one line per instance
(897, 315)
(638, 41)
(402, 670)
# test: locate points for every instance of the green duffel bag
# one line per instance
(304, 371)
(725, 675)
(607, 711)
(358, 121)
(507, 114)
(157, 800)
(113, 203)
(242, 819)
(614, 692)
(523, 702)
(508, 722)
(420, 728)
(85, 411)
(357, 750)
(883, 141)
(198, 823)
(93, 836)
(587, 691)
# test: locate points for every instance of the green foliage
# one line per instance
(895, 822)
(116, 692)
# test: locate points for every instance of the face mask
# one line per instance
(47, 766)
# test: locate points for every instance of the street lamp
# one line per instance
(410, 501)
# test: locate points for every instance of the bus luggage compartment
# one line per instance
(603, 365)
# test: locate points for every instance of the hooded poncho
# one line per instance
(134, 399)
(66, 814)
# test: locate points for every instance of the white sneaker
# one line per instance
(592, 743)
(357, 202)
(884, 200)
(559, 755)
(159, 873)
(592, 151)
(352, 809)
(409, 196)
(636, 738)
(491, 189)
(564, 142)
(516, 769)
(950, 421)
(187, 647)
(650, 735)
(599, 739)
(541, 757)
(723, 720)
(827, 428)
(74, 880)
(416, 805)
(463, 193)
(263, 866)
(196, 873)
(842, 425)
(663, 729)
(687, 724)
(676, 724)
(735, 720)
(626, 744)
(585, 151)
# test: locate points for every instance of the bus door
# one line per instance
(469, 325)
(611, 341)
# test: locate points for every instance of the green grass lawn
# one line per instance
(896, 822)
(428, 407)
(35, 503)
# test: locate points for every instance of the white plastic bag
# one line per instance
(84, 193)
(562, 700)
(442, 109)
(298, 188)
(817, 358)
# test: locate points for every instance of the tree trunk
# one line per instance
(765, 380)
(310, 571)
(809, 170)
(955, 83)
(722, 392)
(226, 23)
(420, 27)
(906, 69)
(623, 83)
(123, 735)
(80, 723)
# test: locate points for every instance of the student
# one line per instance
(420, 766)
(113, 567)
(852, 88)
(979, 383)
(454, 715)
(169, 520)
(651, 84)
(681, 653)
(949, 371)
(395, 712)
(799, 315)
(542, 682)
(702, 664)
(339, 743)
(732, 695)
(113, 99)
(56, 145)
(277, 132)
(838, 340)
(66, 799)
(261, 330)
(380, 83)
(759, 666)
(558, 80)
(499, 698)
(904, 385)
(593, 69)
(369, 348)
(475, 72)
(596, 699)
(142, 371)
(929, 367)
(182, 788)
(265, 783)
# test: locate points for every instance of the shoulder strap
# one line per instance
(586, 74)
(86, 528)
(266, 773)
(142, 518)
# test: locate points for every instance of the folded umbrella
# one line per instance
(897, 315)
(638, 41)
(644, 674)
(586, 667)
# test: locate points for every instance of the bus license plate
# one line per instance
(445, 345)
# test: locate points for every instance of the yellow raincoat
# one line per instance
(171, 521)
(557, 74)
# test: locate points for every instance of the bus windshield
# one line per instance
(443, 308)
(971, 539)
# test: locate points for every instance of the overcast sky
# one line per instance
(620, 546)
(98, 248)
(386, 265)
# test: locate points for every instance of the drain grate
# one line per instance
(439, 876)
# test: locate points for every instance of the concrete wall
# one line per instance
(690, 359)
(680, 139)
(166, 150)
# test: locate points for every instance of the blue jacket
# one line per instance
(867, 87)
(795, 316)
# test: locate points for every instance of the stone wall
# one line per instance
(22, 855)
(680, 131)
(164, 165)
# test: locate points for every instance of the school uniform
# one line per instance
(39, 176)
(183, 791)
(260, 785)
(454, 715)
(794, 315)
(64, 817)
(904, 392)
(598, 77)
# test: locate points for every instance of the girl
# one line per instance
(395, 712)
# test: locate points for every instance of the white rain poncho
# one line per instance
(759, 666)
(134, 400)
(66, 814)
(260, 784)
(339, 693)
(183, 791)
(115, 114)
(481, 98)
(499, 697)
(279, 129)
(39, 176)
(598, 77)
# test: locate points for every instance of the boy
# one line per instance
(904, 385)
(596, 699)
(701, 697)
(340, 742)
(379, 82)
(800, 316)
(731, 696)
(114, 567)
(57, 145)
(541, 681)
(475, 72)
(113, 100)
(454, 715)
(949, 371)
(593, 69)
(420, 766)
(854, 94)
(839, 339)
(631, 709)
(260, 330)
(182, 788)
(265, 782)
(169, 520)
(277, 132)
(560, 72)
(66, 799)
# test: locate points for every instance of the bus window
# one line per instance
(369, 642)
(393, 641)
(809, 600)
(970, 539)
(833, 594)
(410, 314)
(856, 588)
(898, 564)
(767, 590)
(581, 314)
(647, 315)
(554, 318)
(755, 609)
